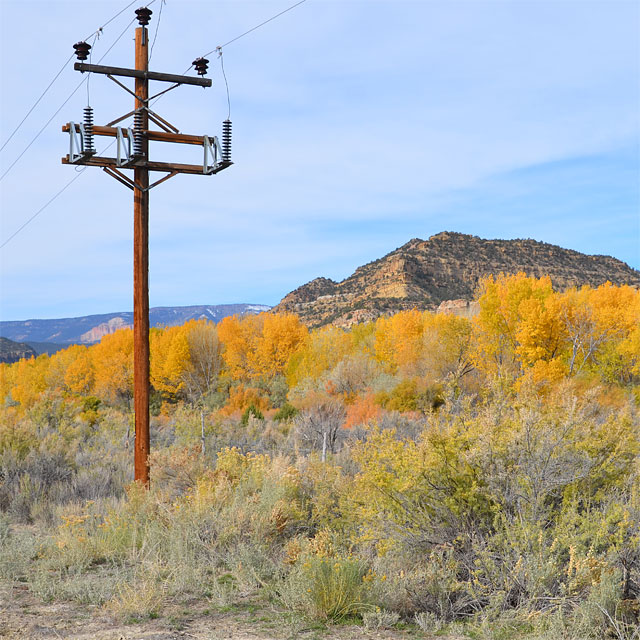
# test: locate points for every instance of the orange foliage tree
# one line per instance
(260, 345)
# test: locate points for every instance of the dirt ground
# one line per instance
(23, 617)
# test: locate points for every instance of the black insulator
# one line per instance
(144, 15)
(201, 65)
(88, 131)
(226, 141)
(82, 50)
(137, 133)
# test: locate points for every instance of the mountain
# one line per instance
(444, 270)
(11, 351)
(90, 329)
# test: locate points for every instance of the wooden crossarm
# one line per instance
(138, 73)
(100, 161)
(156, 136)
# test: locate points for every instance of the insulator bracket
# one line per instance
(77, 136)
(212, 154)
(125, 146)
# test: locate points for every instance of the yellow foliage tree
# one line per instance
(29, 380)
(399, 341)
(79, 377)
(503, 302)
(201, 375)
(112, 361)
(170, 357)
(445, 349)
(281, 335)
(602, 329)
(260, 345)
(240, 338)
(320, 352)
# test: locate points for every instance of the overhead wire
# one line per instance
(37, 102)
(162, 3)
(52, 199)
(242, 35)
(100, 29)
(64, 103)
(218, 49)
(96, 33)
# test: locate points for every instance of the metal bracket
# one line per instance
(213, 151)
(124, 145)
(76, 142)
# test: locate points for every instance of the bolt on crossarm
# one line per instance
(133, 154)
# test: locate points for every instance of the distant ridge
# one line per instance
(90, 329)
(11, 351)
(447, 267)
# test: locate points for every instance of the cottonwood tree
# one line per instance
(320, 426)
(200, 376)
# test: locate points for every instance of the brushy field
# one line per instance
(513, 518)
(427, 474)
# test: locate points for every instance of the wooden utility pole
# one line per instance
(133, 153)
(141, 270)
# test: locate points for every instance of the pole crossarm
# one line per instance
(140, 74)
(151, 165)
(155, 136)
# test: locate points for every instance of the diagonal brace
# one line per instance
(122, 86)
(128, 182)
(122, 178)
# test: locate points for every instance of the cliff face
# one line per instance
(95, 334)
(446, 267)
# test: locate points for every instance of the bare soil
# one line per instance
(24, 617)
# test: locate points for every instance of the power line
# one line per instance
(100, 29)
(242, 35)
(96, 33)
(43, 207)
(35, 104)
(39, 211)
(162, 3)
(219, 48)
(64, 103)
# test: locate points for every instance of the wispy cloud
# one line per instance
(357, 126)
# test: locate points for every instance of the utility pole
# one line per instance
(133, 153)
(141, 271)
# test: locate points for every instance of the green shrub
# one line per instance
(286, 412)
(251, 410)
(327, 588)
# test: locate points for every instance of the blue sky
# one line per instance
(358, 125)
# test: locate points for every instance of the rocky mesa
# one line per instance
(444, 270)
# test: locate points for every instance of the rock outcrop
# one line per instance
(446, 268)
(95, 334)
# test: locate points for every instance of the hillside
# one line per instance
(90, 329)
(11, 351)
(446, 267)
